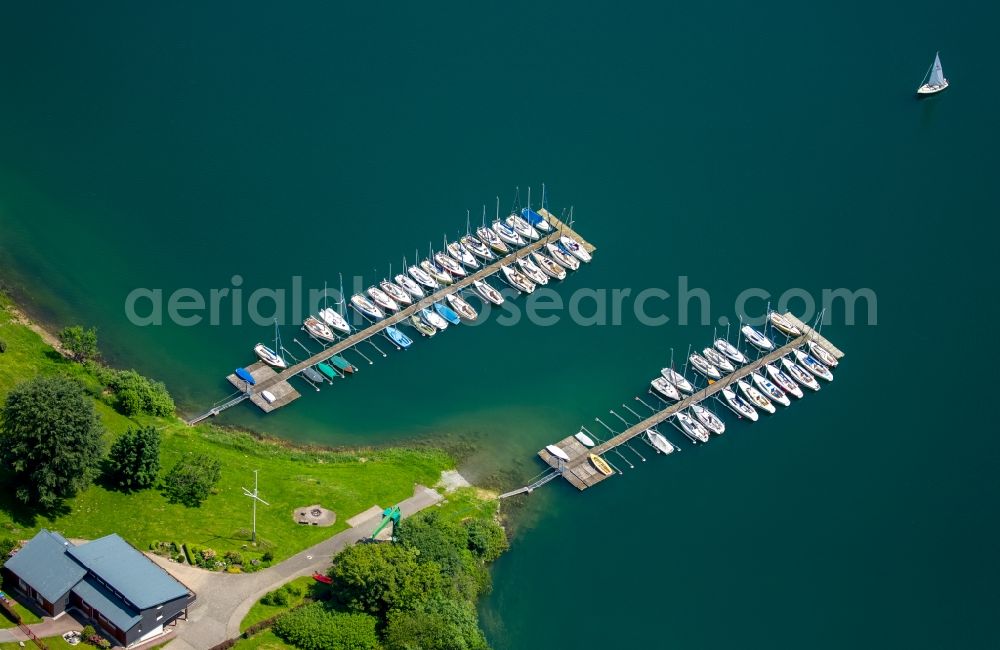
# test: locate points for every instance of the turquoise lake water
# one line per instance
(739, 146)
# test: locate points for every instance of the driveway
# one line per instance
(224, 599)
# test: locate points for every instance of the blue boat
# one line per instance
(447, 313)
(400, 339)
(245, 375)
(535, 219)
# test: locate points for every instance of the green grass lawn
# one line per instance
(27, 617)
(260, 611)
(347, 482)
(53, 643)
(266, 640)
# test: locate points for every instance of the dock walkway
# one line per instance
(276, 383)
(582, 474)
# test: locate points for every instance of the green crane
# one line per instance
(389, 516)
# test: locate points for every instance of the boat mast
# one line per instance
(277, 341)
(498, 210)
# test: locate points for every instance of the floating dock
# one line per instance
(582, 474)
(266, 378)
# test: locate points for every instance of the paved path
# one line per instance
(48, 627)
(224, 599)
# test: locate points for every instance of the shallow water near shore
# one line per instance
(738, 146)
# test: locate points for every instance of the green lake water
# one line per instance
(739, 145)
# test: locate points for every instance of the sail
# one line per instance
(937, 74)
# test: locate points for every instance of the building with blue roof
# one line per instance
(125, 593)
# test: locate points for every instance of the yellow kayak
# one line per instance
(601, 465)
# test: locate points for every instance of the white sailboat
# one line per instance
(783, 381)
(677, 379)
(507, 234)
(822, 354)
(411, 287)
(487, 292)
(460, 253)
(711, 421)
(659, 442)
(462, 308)
(731, 351)
(423, 277)
(783, 324)
(719, 361)
(522, 227)
(774, 393)
(757, 339)
(755, 397)
(692, 427)
(704, 366)
(800, 374)
(813, 366)
(478, 248)
(431, 317)
(934, 81)
(517, 279)
(491, 239)
(549, 266)
(531, 270)
(396, 292)
(575, 248)
(382, 299)
(740, 405)
(561, 256)
(666, 389)
(335, 320)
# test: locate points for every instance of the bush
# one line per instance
(267, 557)
(88, 632)
(233, 557)
(134, 459)
(191, 480)
(487, 539)
(276, 598)
(135, 394)
(6, 546)
(80, 342)
(313, 627)
(3, 346)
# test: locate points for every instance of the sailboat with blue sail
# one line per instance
(934, 81)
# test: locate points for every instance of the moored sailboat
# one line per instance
(822, 354)
(755, 397)
(773, 393)
(814, 366)
(800, 374)
(532, 271)
(517, 280)
(478, 248)
(783, 381)
(396, 292)
(757, 339)
(411, 287)
(692, 427)
(731, 351)
(677, 379)
(487, 292)
(436, 272)
(447, 313)
(318, 329)
(366, 307)
(397, 337)
(422, 327)
(740, 405)
(783, 324)
(575, 248)
(269, 356)
(704, 366)
(659, 442)
(562, 257)
(719, 361)
(423, 277)
(522, 227)
(382, 299)
(431, 317)
(711, 421)
(489, 237)
(665, 388)
(333, 318)
(549, 266)
(461, 307)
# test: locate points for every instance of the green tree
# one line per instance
(487, 539)
(437, 624)
(50, 439)
(375, 578)
(134, 459)
(136, 394)
(191, 480)
(80, 342)
(313, 627)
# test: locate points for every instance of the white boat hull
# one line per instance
(659, 442)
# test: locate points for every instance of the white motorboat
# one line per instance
(754, 397)
(666, 389)
(436, 272)
(382, 299)
(800, 374)
(487, 292)
(366, 307)
(522, 227)
(575, 248)
(517, 280)
(757, 339)
(783, 324)
(269, 356)
(813, 365)
(318, 329)
(461, 307)
(821, 354)
(335, 320)
(557, 452)
(462, 254)
(935, 79)
(584, 439)
(717, 360)
(549, 266)
(659, 442)
(478, 248)
(711, 421)
(508, 234)
(692, 427)
(489, 237)
(449, 265)
(677, 379)
(741, 406)
(704, 366)
(562, 257)
(784, 382)
(433, 319)
(410, 286)
(532, 271)
(423, 277)
(772, 392)
(731, 352)
(396, 292)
